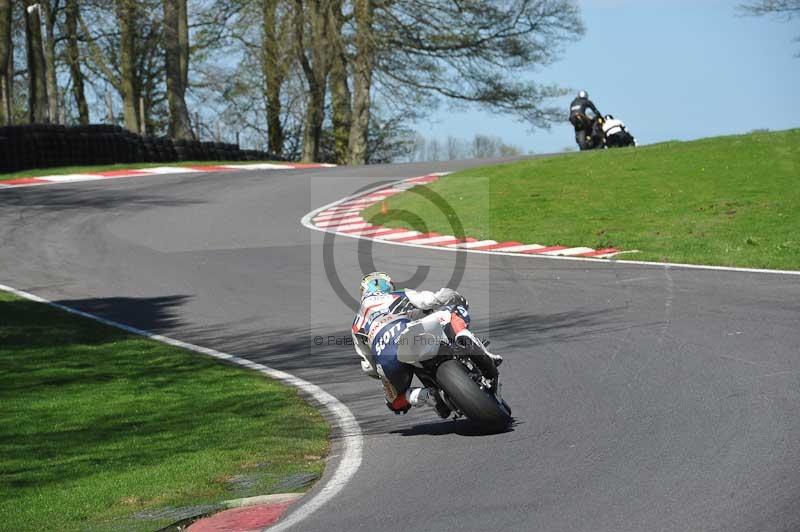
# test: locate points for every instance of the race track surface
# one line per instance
(646, 398)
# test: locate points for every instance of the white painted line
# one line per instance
(432, 239)
(342, 208)
(569, 251)
(399, 235)
(340, 222)
(523, 247)
(169, 170)
(351, 439)
(258, 166)
(336, 216)
(69, 178)
(468, 245)
(360, 203)
(337, 212)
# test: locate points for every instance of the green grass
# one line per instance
(732, 201)
(62, 170)
(98, 425)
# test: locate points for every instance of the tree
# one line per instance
(363, 65)
(315, 68)
(125, 41)
(50, 9)
(471, 52)
(786, 9)
(274, 67)
(6, 62)
(37, 83)
(128, 84)
(73, 57)
(789, 8)
(455, 149)
(176, 52)
(341, 111)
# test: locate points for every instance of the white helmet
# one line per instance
(376, 283)
(583, 94)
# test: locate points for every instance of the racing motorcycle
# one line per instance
(468, 380)
(605, 132)
(615, 134)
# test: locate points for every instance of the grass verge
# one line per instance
(730, 201)
(104, 430)
(38, 172)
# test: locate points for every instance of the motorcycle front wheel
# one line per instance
(474, 402)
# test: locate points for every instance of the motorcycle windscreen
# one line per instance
(420, 341)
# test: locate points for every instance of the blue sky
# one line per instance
(670, 69)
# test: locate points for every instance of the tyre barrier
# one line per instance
(50, 145)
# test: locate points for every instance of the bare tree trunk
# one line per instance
(37, 94)
(362, 83)
(316, 72)
(183, 42)
(341, 113)
(274, 70)
(50, 57)
(179, 125)
(6, 62)
(74, 61)
(126, 12)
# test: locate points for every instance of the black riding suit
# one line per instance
(584, 124)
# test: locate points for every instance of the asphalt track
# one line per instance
(646, 398)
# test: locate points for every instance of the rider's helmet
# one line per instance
(583, 94)
(376, 283)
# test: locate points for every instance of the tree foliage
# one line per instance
(333, 80)
(782, 9)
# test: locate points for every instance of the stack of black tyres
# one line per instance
(11, 149)
(50, 145)
(181, 150)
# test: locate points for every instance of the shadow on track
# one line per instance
(154, 314)
(87, 199)
(527, 330)
(460, 427)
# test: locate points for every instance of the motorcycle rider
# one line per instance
(584, 123)
(384, 314)
(616, 134)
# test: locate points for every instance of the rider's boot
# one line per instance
(428, 396)
(420, 396)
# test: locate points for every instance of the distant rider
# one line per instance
(616, 134)
(583, 116)
(384, 314)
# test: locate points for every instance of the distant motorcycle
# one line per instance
(604, 132)
(469, 380)
(615, 134)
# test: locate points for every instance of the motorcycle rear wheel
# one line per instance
(477, 404)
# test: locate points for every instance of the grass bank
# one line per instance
(731, 201)
(103, 430)
(62, 170)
